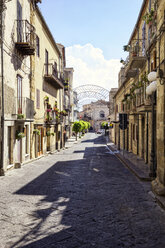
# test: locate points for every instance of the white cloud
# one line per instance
(90, 66)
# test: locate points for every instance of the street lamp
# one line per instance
(150, 90)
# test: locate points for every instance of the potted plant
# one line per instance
(46, 99)
(122, 61)
(37, 131)
(63, 112)
(48, 133)
(126, 48)
(19, 135)
(149, 17)
(55, 104)
(20, 116)
(48, 110)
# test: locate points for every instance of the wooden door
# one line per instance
(19, 95)
(40, 142)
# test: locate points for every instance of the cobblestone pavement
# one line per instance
(82, 197)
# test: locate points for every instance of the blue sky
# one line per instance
(93, 32)
(107, 24)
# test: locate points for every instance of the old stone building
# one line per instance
(17, 107)
(142, 90)
(33, 113)
(111, 117)
(95, 113)
(69, 101)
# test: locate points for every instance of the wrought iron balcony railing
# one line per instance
(51, 75)
(24, 109)
(24, 37)
(137, 54)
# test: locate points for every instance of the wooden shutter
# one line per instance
(154, 59)
(144, 39)
(37, 98)
(37, 46)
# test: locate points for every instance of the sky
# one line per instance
(94, 33)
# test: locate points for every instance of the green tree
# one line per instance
(104, 124)
(89, 125)
(77, 127)
(84, 126)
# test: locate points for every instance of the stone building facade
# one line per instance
(95, 113)
(47, 89)
(142, 90)
(17, 107)
(32, 74)
(69, 101)
(111, 117)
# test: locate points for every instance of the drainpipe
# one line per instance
(153, 162)
(2, 102)
(147, 140)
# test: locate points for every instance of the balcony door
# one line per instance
(19, 94)
(46, 61)
(40, 141)
(19, 22)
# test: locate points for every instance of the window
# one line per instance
(27, 139)
(144, 39)
(116, 108)
(149, 5)
(102, 115)
(46, 61)
(133, 132)
(37, 46)
(19, 94)
(19, 22)
(9, 146)
(37, 98)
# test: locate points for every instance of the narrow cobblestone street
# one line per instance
(81, 197)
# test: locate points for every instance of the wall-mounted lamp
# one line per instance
(153, 85)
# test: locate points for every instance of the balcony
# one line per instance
(127, 71)
(143, 102)
(66, 85)
(137, 55)
(131, 73)
(51, 76)
(68, 108)
(24, 109)
(25, 37)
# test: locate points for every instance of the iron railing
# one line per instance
(25, 32)
(24, 108)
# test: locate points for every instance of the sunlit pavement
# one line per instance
(80, 197)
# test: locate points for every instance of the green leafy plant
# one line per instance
(46, 99)
(19, 135)
(20, 116)
(122, 61)
(77, 126)
(104, 124)
(149, 16)
(144, 77)
(37, 132)
(48, 133)
(126, 48)
(63, 112)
